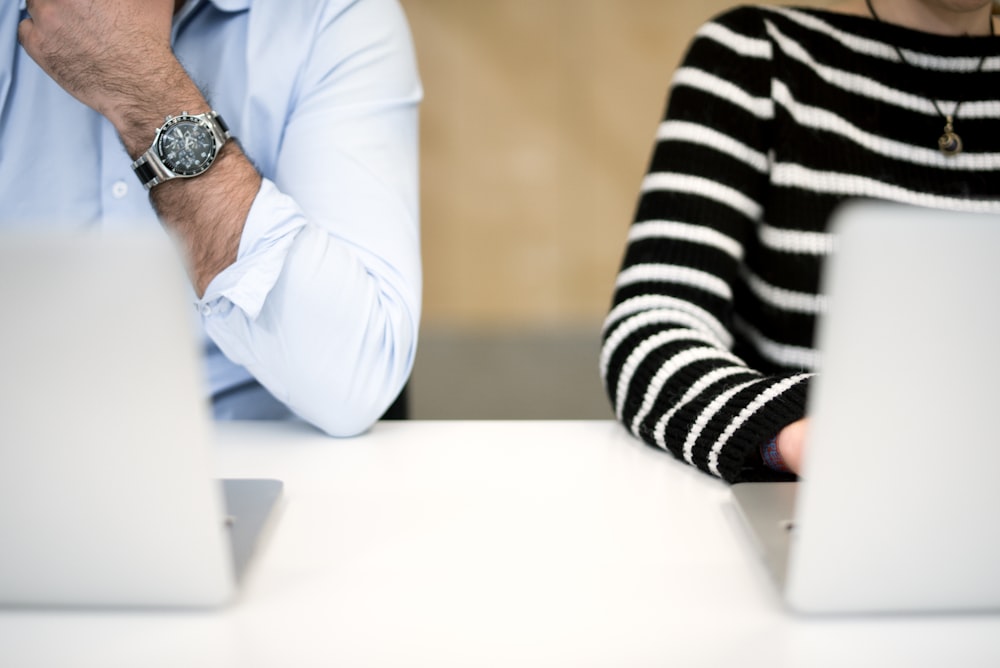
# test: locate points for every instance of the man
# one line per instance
(301, 233)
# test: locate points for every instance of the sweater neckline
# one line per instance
(906, 38)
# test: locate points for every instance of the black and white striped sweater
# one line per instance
(775, 117)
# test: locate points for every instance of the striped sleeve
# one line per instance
(670, 359)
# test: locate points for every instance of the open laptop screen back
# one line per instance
(107, 495)
(899, 500)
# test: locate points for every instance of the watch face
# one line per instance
(186, 146)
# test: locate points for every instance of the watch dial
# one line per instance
(187, 147)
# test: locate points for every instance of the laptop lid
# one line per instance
(107, 494)
(897, 507)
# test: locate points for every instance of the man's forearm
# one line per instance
(90, 49)
(207, 212)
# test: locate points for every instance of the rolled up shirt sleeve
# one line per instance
(323, 302)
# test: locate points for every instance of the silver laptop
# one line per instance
(898, 507)
(107, 494)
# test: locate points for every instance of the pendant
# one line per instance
(949, 143)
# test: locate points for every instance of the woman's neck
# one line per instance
(941, 17)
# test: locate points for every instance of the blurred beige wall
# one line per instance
(537, 124)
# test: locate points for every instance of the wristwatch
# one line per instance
(185, 145)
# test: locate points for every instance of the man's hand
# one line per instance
(108, 54)
(791, 443)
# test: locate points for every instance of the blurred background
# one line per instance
(537, 124)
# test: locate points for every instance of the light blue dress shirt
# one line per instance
(323, 303)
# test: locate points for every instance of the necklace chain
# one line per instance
(949, 142)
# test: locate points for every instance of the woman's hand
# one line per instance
(791, 443)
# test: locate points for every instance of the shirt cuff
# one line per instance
(271, 226)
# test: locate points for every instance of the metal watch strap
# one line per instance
(144, 171)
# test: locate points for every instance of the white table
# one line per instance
(490, 544)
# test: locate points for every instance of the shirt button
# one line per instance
(119, 189)
(206, 310)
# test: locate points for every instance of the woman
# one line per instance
(777, 116)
